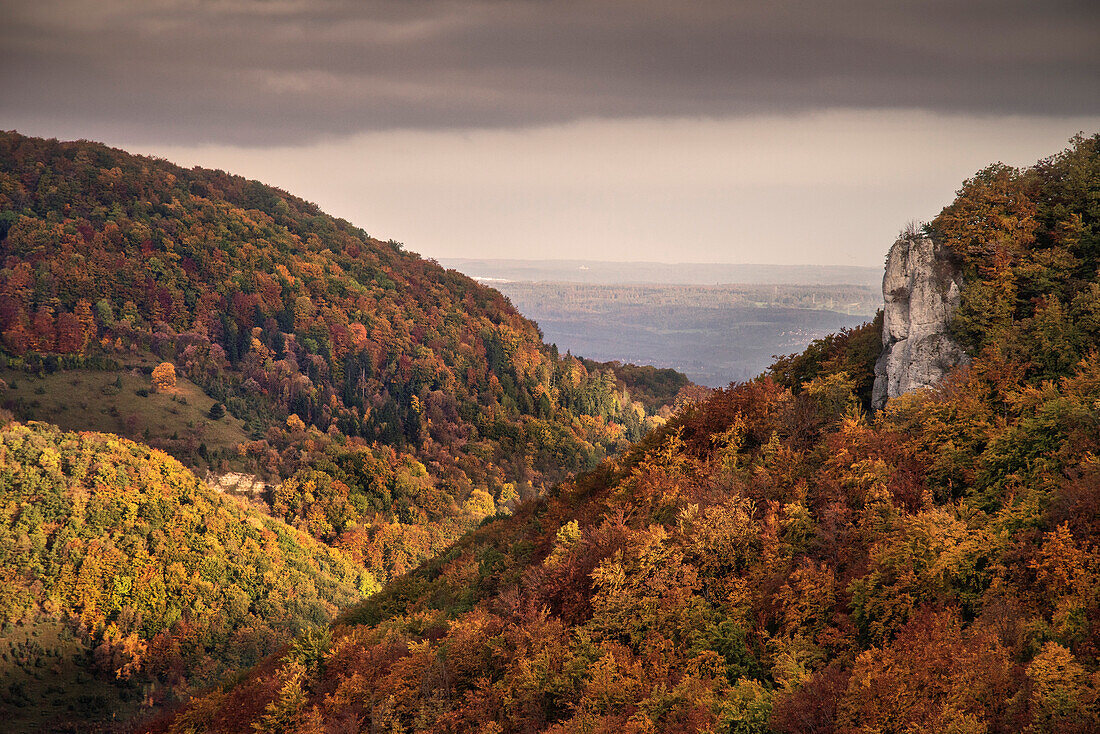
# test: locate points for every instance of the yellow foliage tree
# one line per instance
(164, 377)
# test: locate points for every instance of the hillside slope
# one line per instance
(124, 580)
(323, 344)
(775, 559)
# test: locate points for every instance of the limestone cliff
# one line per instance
(238, 483)
(921, 292)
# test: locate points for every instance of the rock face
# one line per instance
(237, 483)
(921, 292)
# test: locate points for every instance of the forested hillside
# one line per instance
(402, 402)
(777, 559)
(125, 581)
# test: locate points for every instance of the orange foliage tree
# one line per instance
(164, 376)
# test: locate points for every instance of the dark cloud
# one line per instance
(244, 71)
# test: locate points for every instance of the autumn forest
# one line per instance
(260, 471)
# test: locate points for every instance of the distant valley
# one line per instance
(714, 333)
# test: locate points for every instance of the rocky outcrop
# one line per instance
(237, 483)
(921, 292)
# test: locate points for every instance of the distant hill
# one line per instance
(775, 559)
(610, 273)
(647, 385)
(125, 581)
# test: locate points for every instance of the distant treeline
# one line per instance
(859, 300)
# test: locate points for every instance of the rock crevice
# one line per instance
(920, 289)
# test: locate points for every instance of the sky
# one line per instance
(668, 130)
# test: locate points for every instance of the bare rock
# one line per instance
(237, 483)
(921, 289)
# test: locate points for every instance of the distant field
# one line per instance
(579, 298)
(714, 334)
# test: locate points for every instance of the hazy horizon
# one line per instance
(643, 272)
(827, 188)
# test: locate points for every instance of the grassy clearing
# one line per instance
(45, 684)
(124, 403)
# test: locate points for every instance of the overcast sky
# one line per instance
(787, 132)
